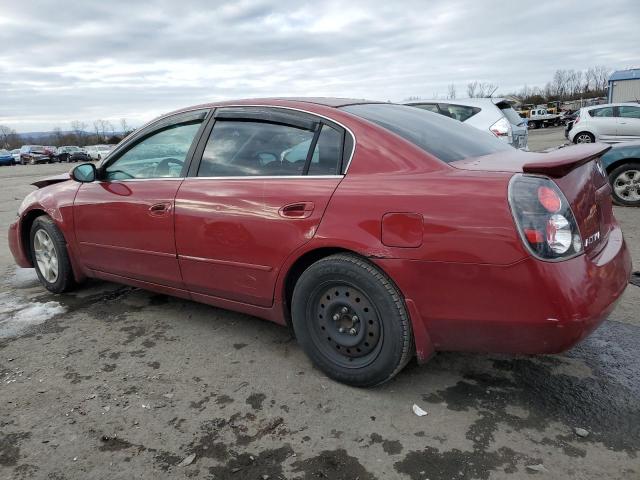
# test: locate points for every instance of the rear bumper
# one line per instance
(16, 247)
(530, 307)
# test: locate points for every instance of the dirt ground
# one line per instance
(118, 383)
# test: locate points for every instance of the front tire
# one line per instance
(351, 321)
(49, 255)
(625, 184)
(584, 137)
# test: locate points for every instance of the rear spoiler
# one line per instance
(560, 162)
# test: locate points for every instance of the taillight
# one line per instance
(502, 128)
(544, 218)
(575, 122)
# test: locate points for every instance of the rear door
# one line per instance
(258, 193)
(628, 122)
(124, 222)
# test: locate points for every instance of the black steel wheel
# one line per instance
(347, 329)
(351, 321)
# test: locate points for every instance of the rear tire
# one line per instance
(49, 255)
(584, 137)
(351, 321)
(625, 184)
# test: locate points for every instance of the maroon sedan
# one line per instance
(376, 231)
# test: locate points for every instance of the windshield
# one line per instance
(443, 137)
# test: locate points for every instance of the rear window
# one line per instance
(447, 139)
(513, 116)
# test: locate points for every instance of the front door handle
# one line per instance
(159, 209)
(297, 210)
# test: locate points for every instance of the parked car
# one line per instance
(540, 118)
(609, 123)
(98, 152)
(72, 154)
(395, 231)
(16, 155)
(493, 115)
(6, 158)
(33, 154)
(622, 164)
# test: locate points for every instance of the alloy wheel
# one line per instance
(584, 138)
(627, 185)
(46, 255)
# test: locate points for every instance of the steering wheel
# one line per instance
(110, 174)
(164, 165)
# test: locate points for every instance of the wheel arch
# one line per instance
(299, 265)
(593, 135)
(25, 230)
(612, 166)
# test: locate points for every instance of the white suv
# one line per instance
(609, 123)
(491, 115)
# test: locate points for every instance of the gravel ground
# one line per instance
(114, 382)
(545, 138)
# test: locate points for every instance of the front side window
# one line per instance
(601, 112)
(629, 112)
(255, 148)
(160, 155)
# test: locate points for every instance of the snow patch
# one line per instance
(17, 314)
(25, 277)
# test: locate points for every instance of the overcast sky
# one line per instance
(82, 60)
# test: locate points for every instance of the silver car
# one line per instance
(609, 123)
(491, 115)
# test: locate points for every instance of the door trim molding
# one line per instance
(252, 266)
(128, 249)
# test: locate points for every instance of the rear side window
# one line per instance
(447, 139)
(459, 112)
(432, 107)
(601, 112)
(327, 152)
(238, 148)
(629, 112)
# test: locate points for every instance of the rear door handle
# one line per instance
(159, 209)
(297, 210)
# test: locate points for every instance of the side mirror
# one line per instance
(84, 173)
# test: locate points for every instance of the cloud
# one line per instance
(88, 60)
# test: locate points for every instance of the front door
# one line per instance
(124, 222)
(258, 194)
(628, 122)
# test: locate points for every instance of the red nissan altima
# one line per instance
(376, 231)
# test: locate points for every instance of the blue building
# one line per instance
(624, 86)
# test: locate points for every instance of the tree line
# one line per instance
(564, 85)
(103, 131)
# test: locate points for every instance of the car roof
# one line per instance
(619, 104)
(291, 102)
(463, 101)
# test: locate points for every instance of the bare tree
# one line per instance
(9, 138)
(471, 89)
(124, 126)
(477, 89)
(451, 91)
(79, 131)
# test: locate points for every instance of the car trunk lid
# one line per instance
(577, 173)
